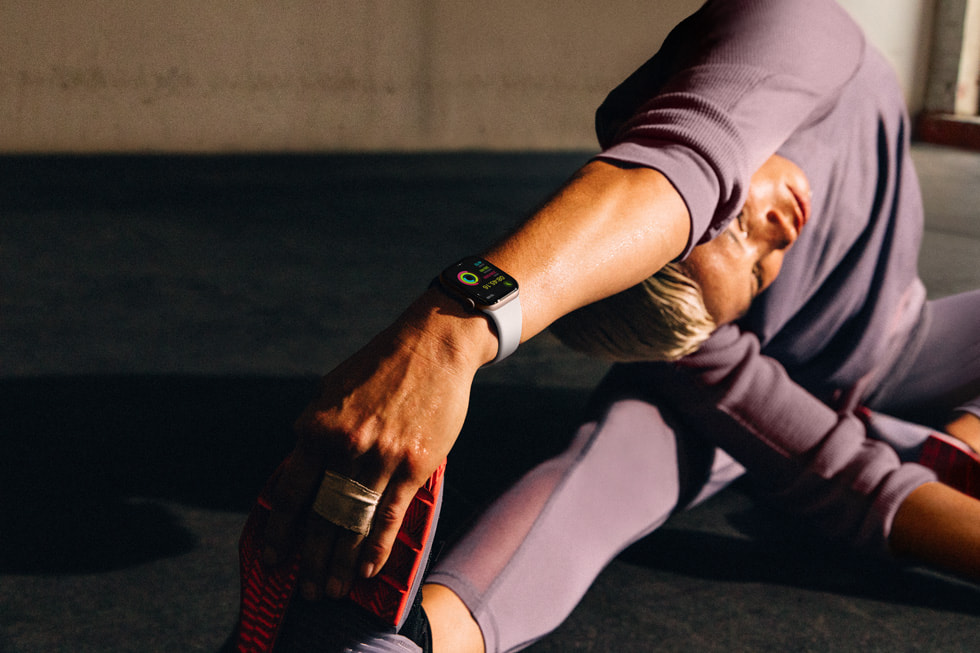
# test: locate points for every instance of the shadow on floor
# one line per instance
(769, 550)
(82, 453)
(88, 457)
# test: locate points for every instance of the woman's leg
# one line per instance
(946, 371)
(532, 556)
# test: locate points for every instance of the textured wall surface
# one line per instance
(333, 75)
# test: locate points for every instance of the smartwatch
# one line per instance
(481, 286)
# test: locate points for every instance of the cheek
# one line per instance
(725, 294)
(704, 265)
(717, 307)
(771, 265)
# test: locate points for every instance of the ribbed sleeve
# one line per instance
(812, 460)
(708, 116)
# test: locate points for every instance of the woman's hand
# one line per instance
(387, 417)
(966, 427)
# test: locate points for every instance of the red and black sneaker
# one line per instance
(954, 462)
(385, 601)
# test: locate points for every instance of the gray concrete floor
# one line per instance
(161, 322)
(950, 260)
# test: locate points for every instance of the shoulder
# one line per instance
(802, 38)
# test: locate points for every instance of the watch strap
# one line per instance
(508, 323)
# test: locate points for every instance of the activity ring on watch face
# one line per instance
(468, 278)
(480, 281)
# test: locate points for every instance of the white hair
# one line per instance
(663, 318)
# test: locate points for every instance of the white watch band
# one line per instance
(509, 323)
(483, 287)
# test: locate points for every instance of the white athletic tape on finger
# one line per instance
(346, 503)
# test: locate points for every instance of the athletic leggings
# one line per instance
(533, 555)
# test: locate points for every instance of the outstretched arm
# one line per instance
(966, 427)
(939, 526)
(817, 462)
(387, 416)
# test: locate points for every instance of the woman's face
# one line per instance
(745, 259)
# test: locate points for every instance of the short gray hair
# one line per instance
(663, 318)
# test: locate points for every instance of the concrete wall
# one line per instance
(903, 30)
(955, 68)
(328, 75)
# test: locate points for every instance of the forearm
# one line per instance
(813, 461)
(966, 427)
(940, 527)
(607, 229)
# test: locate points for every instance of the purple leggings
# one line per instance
(534, 554)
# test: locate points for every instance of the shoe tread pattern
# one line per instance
(266, 592)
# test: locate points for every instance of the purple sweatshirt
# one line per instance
(733, 84)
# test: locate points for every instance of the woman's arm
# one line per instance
(817, 462)
(608, 229)
(966, 427)
(811, 460)
(939, 526)
(389, 415)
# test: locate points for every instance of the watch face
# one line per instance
(481, 281)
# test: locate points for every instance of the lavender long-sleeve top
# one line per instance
(733, 84)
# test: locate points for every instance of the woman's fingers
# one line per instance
(387, 521)
(290, 490)
(317, 546)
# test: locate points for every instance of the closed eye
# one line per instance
(740, 219)
(738, 237)
(759, 281)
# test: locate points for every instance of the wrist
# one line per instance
(483, 288)
(461, 339)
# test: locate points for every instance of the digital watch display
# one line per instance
(480, 281)
(484, 287)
